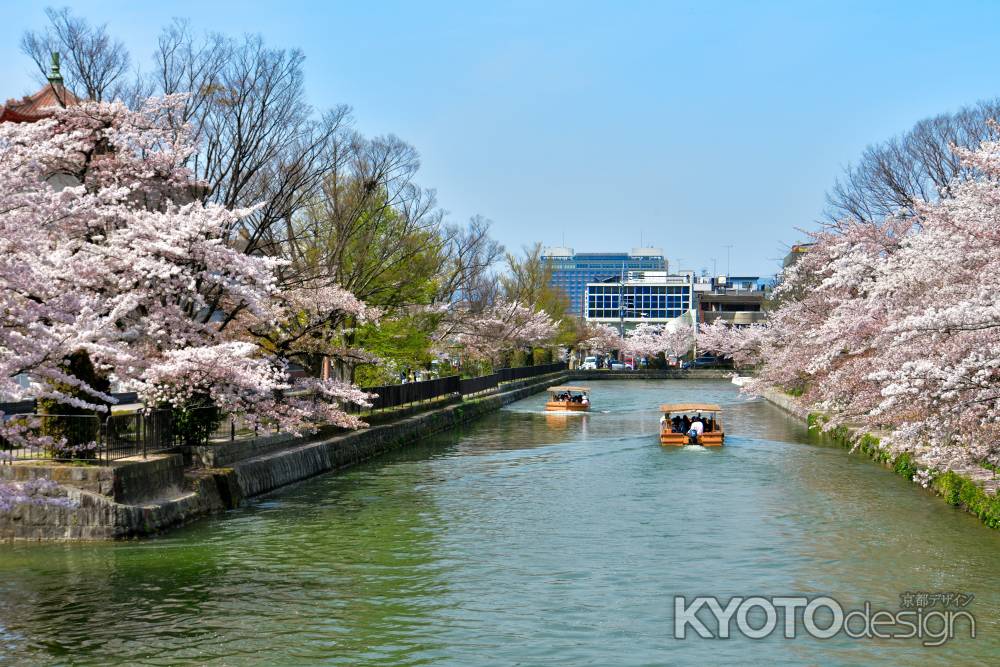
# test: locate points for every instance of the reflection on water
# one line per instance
(524, 538)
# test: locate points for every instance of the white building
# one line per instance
(654, 297)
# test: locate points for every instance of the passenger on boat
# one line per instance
(676, 424)
(697, 428)
(585, 400)
(685, 424)
(663, 421)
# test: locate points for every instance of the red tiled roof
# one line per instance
(40, 105)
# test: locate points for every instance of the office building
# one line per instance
(652, 297)
(572, 272)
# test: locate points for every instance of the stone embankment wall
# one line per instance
(141, 497)
(971, 488)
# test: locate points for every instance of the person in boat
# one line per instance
(663, 421)
(584, 400)
(676, 424)
(697, 427)
(685, 424)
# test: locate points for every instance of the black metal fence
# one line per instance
(478, 385)
(524, 372)
(395, 395)
(87, 437)
(137, 434)
(129, 434)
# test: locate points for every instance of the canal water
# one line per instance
(521, 539)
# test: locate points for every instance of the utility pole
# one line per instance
(621, 302)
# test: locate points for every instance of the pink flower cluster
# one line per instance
(489, 332)
(647, 340)
(105, 248)
(600, 337)
(33, 492)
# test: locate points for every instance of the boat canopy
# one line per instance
(689, 407)
(567, 388)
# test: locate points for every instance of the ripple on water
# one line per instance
(525, 538)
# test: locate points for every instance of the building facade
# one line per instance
(739, 300)
(652, 297)
(572, 272)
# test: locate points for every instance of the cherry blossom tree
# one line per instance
(489, 332)
(105, 249)
(894, 323)
(600, 337)
(647, 340)
(741, 344)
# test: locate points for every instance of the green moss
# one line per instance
(962, 492)
(904, 465)
(869, 445)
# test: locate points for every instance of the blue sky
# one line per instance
(689, 125)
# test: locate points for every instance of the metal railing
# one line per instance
(131, 434)
(524, 372)
(478, 385)
(86, 437)
(397, 395)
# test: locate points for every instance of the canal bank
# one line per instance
(970, 488)
(134, 498)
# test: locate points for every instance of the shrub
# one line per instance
(74, 431)
(196, 420)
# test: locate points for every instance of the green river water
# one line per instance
(521, 539)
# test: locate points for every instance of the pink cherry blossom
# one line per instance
(105, 248)
(647, 340)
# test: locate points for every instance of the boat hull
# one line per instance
(567, 406)
(671, 439)
(711, 439)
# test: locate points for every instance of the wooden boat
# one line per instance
(712, 436)
(569, 399)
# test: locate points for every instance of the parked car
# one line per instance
(589, 364)
(617, 366)
(704, 361)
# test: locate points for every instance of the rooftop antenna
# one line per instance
(728, 248)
